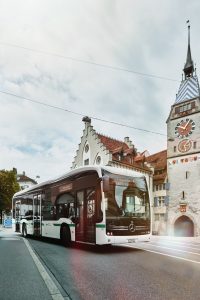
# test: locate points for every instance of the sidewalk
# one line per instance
(20, 278)
(7, 230)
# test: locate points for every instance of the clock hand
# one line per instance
(186, 144)
(186, 124)
(181, 127)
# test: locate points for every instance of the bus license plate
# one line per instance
(132, 240)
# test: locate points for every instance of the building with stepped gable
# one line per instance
(98, 149)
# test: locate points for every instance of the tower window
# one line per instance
(194, 145)
(183, 195)
(174, 148)
(184, 107)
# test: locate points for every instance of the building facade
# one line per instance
(98, 149)
(173, 174)
(23, 180)
(183, 155)
(158, 162)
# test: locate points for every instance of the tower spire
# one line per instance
(189, 67)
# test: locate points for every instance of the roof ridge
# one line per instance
(162, 151)
(106, 136)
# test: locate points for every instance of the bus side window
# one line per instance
(65, 206)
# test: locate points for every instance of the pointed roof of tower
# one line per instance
(189, 87)
(189, 67)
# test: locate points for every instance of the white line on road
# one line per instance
(164, 254)
(176, 240)
(154, 245)
(193, 244)
(53, 290)
(9, 239)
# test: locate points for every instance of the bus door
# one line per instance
(17, 215)
(85, 225)
(37, 220)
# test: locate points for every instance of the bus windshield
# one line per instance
(127, 197)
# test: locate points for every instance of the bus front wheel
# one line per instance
(65, 236)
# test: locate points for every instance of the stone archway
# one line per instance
(184, 226)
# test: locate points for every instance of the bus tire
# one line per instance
(24, 230)
(65, 235)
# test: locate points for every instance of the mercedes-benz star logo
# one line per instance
(131, 227)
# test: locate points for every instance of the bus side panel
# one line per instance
(101, 237)
(52, 228)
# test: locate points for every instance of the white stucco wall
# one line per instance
(177, 165)
(96, 148)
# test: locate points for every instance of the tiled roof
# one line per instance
(22, 178)
(158, 160)
(131, 157)
(113, 145)
(160, 177)
(140, 157)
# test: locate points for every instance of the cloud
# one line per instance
(128, 34)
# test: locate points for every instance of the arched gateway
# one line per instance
(184, 227)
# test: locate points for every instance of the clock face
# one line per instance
(184, 146)
(184, 128)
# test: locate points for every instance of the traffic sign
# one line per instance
(8, 223)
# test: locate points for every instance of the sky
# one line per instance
(85, 57)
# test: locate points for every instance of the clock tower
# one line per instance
(183, 155)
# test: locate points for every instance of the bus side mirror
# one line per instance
(106, 183)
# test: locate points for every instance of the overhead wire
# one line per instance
(86, 62)
(89, 62)
(79, 114)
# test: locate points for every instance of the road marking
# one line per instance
(195, 248)
(175, 249)
(164, 254)
(53, 290)
(10, 238)
(196, 244)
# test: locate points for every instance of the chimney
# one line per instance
(128, 142)
(87, 121)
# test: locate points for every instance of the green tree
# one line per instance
(8, 186)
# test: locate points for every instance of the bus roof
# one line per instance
(74, 172)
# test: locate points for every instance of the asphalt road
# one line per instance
(165, 268)
(162, 269)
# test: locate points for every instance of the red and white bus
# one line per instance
(93, 204)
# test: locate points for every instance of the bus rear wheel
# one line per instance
(24, 230)
(65, 236)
